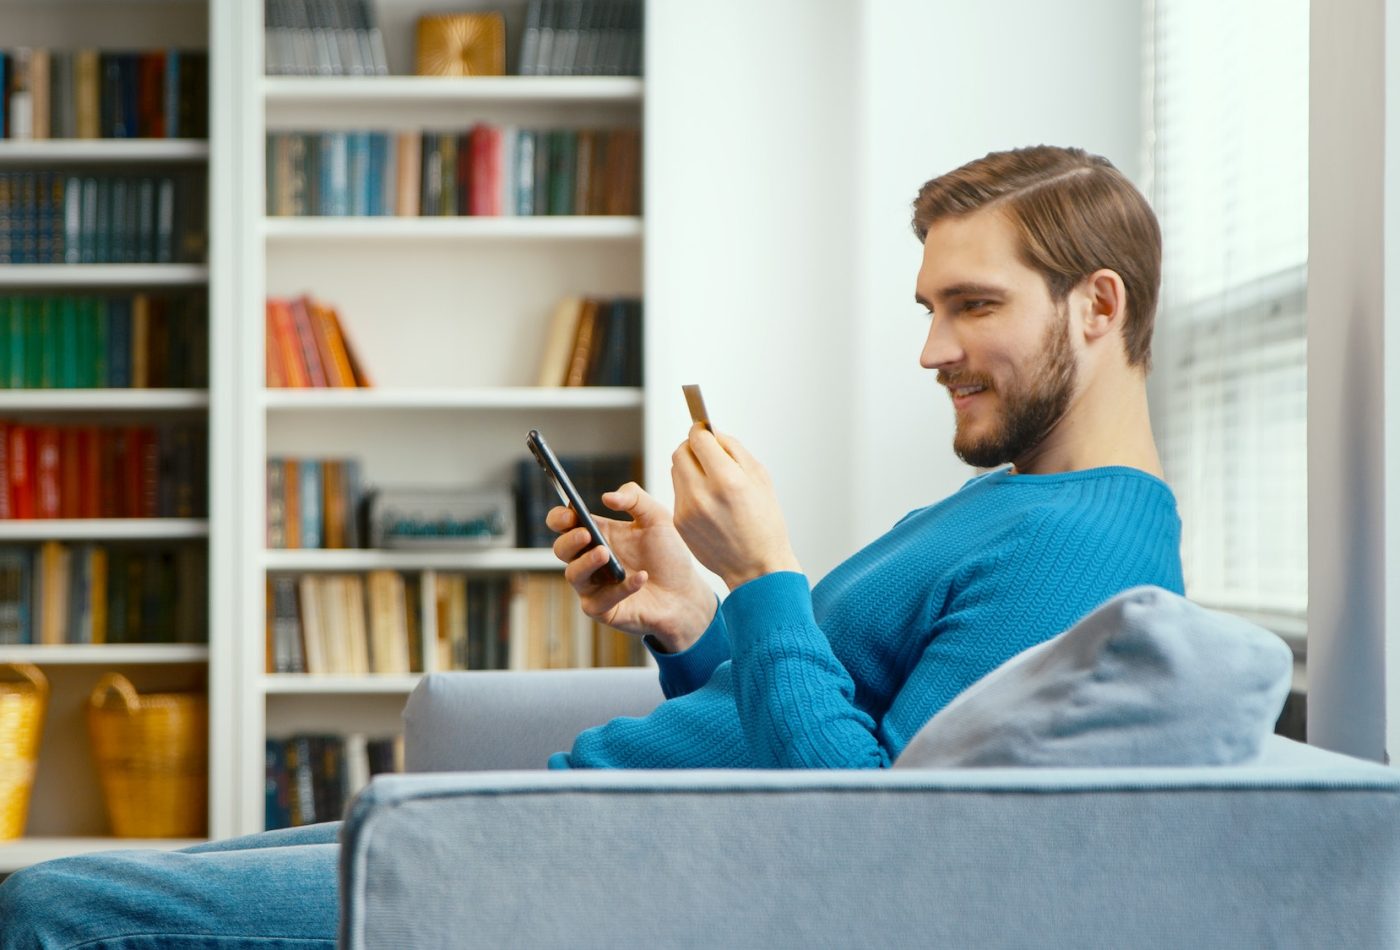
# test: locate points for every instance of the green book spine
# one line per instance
(94, 312)
(51, 344)
(6, 333)
(33, 343)
(16, 376)
(70, 341)
(561, 171)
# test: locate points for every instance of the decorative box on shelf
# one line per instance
(441, 519)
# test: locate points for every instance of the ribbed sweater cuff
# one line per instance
(776, 599)
(690, 669)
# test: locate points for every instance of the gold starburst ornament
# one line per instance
(462, 44)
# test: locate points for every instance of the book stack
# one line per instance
(90, 593)
(311, 777)
(307, 346)
(322, 38)
(314, 503)
(582, 38)
(593, 342)
(59, 218)
(473, 622)
(591, 474)
(89, 471)
(550, 631)
(87, 94)
(91, 341)
(344, 623)
(486, 170)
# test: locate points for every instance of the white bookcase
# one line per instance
(449, 314)
(66, 813)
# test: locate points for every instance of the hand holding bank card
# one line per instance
(696, 402)
(611, 571)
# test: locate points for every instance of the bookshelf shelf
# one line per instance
(23, 852)
(95, 400)
(103, 529)
(506, 397)
(74, 151)
(405, 90)
(491, 559)
(82, 654)
(537, 227)
(103, 275)
(301, 683)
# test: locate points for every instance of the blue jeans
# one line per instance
(272, 891)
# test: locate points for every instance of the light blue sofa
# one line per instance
(1298, 849)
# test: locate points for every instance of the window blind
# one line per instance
(1226, 162)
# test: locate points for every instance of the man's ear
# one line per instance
(1107, 304)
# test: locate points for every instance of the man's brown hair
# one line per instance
(1075, 214)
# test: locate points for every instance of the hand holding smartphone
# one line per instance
(612, 571)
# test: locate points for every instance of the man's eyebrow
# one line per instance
(966, 289)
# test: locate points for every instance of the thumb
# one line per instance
(633, 499)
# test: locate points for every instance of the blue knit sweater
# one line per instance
(843, 675)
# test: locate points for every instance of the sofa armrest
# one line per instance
(479, 721)
(1146, 858)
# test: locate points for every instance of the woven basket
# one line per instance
(152, 754)
(21, 723)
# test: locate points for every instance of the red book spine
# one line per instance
(21, 471)
(89, 473)
(131, 503)
(47, 470)
(481, 198)
(5, 511)
(69, 460)
(494, 145)
(109, 443)
(306, 339)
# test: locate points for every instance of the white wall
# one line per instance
(945, 83)
(782, 168)
(751, 162)
(1353, 403)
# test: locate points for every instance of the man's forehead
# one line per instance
(968, 255)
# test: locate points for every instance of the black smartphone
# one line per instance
(568, 494)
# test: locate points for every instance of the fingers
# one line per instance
(560, 519)
(632, 499)
(599, 601)
(707, 450)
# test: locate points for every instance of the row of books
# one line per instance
(582, 38)
(87, 94)
(355, 624)
(307, 346)
(104, 341)
(311, 776)
(322, 38)
(314, 503)
(592, 475)
(90, 471)
(486, 170)
(593, 342)
(91, 593)
(56, 218)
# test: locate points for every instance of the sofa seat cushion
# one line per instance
(1148, 678)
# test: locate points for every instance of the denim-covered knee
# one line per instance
(38, 908)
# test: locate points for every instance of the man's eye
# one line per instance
(976, 305)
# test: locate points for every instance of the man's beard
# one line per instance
(1028, 414)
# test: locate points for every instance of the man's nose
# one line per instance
(941, 347)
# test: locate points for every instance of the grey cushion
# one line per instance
(1149, 678)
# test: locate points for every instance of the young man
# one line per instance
(1040, 274)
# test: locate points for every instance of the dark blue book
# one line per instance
(119, 342)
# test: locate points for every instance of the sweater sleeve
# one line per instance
(687, 671)
(795, 699)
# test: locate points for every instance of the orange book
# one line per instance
(585, 343)
(276, 372)
(333, 504)
(46, 469)
(280, 317)
(97, 594)
(291, 489)
(410, 172)
(140, 342)
(306, 342)
(329, 344)
(357, 365)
